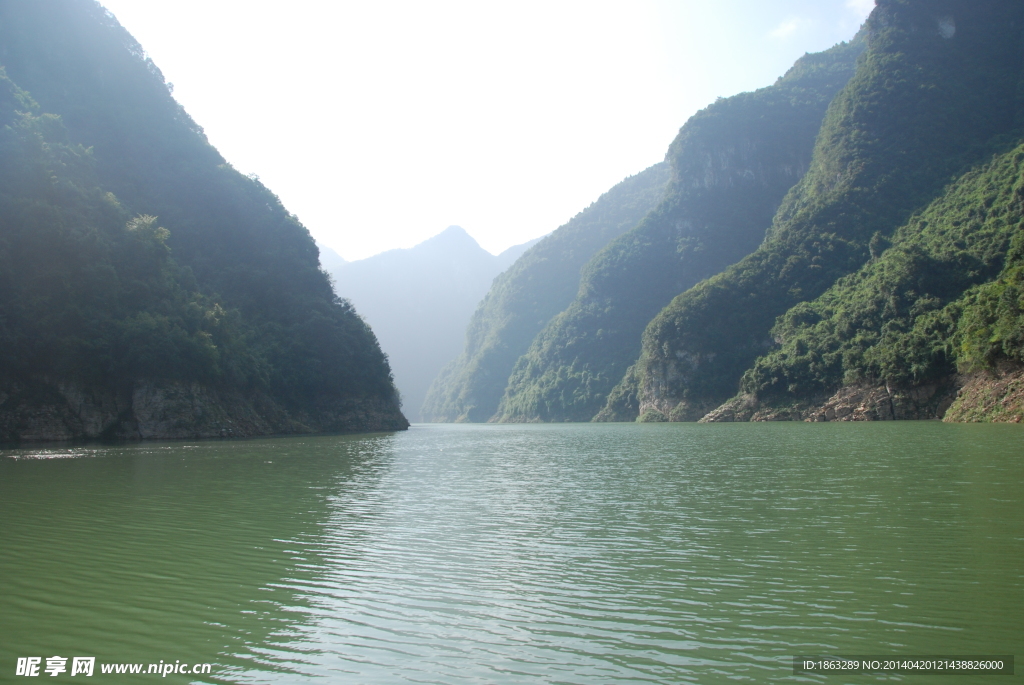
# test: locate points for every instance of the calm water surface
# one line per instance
(517, 554)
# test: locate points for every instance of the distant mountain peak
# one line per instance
(419, 300)
(453, 237)
(454, 230)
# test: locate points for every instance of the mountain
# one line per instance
(419, 300)
(523, 299)
(936, 94)
(148, 288)
(329, 259)
(732, 164)
(891, 340)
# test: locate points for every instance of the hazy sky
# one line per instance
(381, 123)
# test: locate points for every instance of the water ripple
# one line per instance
(509, 554)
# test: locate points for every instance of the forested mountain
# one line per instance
(947, 295)
(524, 298)
(939, 90)
(418, 302)
(148, 289)
(732, 163)
(844, 244)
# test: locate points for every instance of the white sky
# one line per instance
(381, 123)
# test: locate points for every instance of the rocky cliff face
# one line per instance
(654, 389)
(47, 410)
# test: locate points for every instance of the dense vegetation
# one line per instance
(937, 91)
(88, 292)
(524, 298)
(732, 163)
(129, 249)
(946, 294)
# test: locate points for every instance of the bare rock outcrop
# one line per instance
(886, 403)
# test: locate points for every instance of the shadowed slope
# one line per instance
(732, 163)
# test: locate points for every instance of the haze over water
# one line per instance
(567, 553)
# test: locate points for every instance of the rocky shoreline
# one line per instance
(45, 410)
(984, 396)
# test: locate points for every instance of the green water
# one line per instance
(661, 553)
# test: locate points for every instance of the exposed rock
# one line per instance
(42, 410)
(190, 410)
(860, 402)
(739, 408)
(996, 396)
(97, 411)
(865, 402)
(653, 387)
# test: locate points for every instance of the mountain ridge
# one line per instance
(937, 92)
(535, 288)
(391, 290)
(732, 164)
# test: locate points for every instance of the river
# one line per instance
(575, 553)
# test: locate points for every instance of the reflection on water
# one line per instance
(563, 554)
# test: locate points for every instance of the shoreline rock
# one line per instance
(995, 395)
(42, 410)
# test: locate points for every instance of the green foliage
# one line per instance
(732, 163)
(623, 403)
(525, 297)
(991, 325)
(929, 303)
(921, 109)
(225, 289)
(85, 294)
(652, 416)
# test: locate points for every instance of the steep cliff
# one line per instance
(731, 165)
(187, 275)
(525, 297)
(938, 86)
